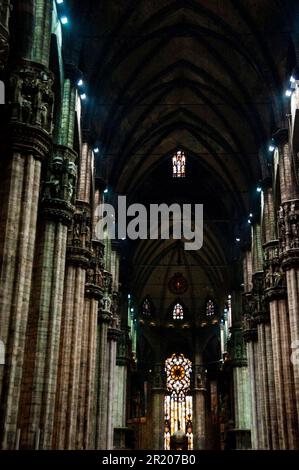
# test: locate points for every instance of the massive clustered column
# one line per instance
(275, 292)
(268, 435)
(120, 389)
(85, 435)
(74, 328)
(113, 337)
(240, 377)
(250, 338)
(44, 325)
(43, 331)
(78, 258)
(104, 319)
(158, 392)
(199, 406)
(27, 142)
(288, 225)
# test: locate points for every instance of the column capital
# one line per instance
(122, 357)
(237, 348)
(249, 329)
(79, 240)
(288, 227)
(113, 334)
(25, 139)
(94, 276)
(275, 286)
(159, 379)
(104, 317)
(31, 96)
(199, 378)
(59, 187)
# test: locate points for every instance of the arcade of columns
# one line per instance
(271, 296)
(59, 297)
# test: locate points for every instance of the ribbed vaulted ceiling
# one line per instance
(203, 75)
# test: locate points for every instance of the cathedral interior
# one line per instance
(140, 343)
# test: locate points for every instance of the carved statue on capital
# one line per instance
(107, 297)
(249, 322)
(158, 377)
(61, 175)
(275, 284)
(237, 347)
(200, 378)
(288, 228)
(122, 357)
(80, 235)
(31, 96)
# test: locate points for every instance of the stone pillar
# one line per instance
(104, 319)
(257, 310)
(288, 231)
(43, 332)
(240, 379)
(275, 293)
(25, 143)
(250, 338)
(101, 383)
(78, 258)
(120, 389)
(199, 408)
(113, 336)
(158, 392)
(93, 294)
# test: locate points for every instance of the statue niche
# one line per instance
(32, 97)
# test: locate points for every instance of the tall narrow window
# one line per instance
(178, 312)
(179, 164)
(210, 308)
(177, 403)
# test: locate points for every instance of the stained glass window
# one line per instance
(178, 312)
(177, 403)
(210, 308)
(147, 308)
(179, 164)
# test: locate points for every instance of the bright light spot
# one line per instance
(106, 191)
(83, 96)
(259, 189)
(96, 150)
(249, 221)
(123, 238)
(64, 20)
(129, 296)
(251, 214)
(271, 148)
(80, 82)
(288, 93)
(238, 240)
(132, 310)
(292, 79)
(59, 2)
